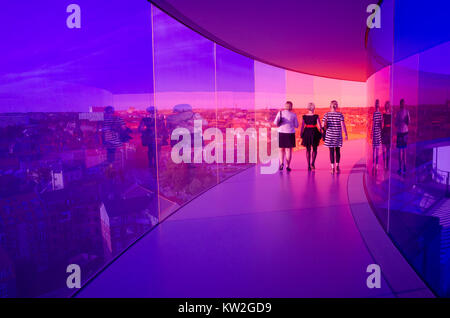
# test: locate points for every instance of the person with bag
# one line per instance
(286, 121)
(334, 123)
(402, 120)
(311, 135)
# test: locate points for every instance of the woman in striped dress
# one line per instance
(376, 135)
(311, 135)
(112, 128)
(333, 122)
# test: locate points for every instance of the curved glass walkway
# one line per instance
(281, 235)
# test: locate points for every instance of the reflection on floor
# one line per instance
(281, 235)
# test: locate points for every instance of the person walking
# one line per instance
(377, 122)
(287, 121)
(147, 128)
(402, 120)
(333, 122)
(113, 127)
(311, 135)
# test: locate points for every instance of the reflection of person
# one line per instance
(334, 123)
(287, 121)
(377, 122)
(147, 128)
(402, 120)
(386, 134)
(112, 130)
(311, 135)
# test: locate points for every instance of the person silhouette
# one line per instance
(147, 128)
(402, 120)
(311, 135)
(112, 128)
(386, 134)
(287, 121)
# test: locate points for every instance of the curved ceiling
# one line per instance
(319, 37)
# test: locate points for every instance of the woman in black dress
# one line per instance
(311, 135)
(386, 134)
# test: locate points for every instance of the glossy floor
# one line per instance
(281, 235)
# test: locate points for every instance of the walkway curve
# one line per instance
(281, 235)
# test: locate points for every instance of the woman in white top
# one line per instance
(286, 121)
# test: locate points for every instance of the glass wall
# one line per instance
(184, 70)
(409, 186)
(108, 128)
(378, 150)
(70, 186)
